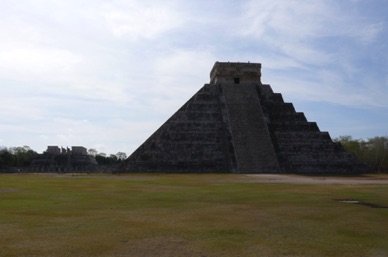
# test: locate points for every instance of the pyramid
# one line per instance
(236, 124)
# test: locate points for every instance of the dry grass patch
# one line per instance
(187, 215)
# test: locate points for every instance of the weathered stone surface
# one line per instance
(56, 159)
(251, 139)
(192, 140)
(236, 124)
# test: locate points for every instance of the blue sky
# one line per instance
(107, 74)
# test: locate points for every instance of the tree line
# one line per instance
(373, 151)
(104, 159)
(22, 156)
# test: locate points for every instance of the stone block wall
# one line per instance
(192, 140)
(63, 161)
(301, 147)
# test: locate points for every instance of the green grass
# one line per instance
(186, 215)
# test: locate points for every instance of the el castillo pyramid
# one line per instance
(236, 124)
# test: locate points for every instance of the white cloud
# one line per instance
(32, 61)
(106, 74)
(329, 87)
(185, 63)
(369, 32)
(310, 49)
(173, 78)
(294, 28)
(286, 18)
(137, 20)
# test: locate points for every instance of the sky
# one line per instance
(106, 74)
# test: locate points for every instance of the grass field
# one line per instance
(188, 215)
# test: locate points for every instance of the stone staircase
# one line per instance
(251, 139)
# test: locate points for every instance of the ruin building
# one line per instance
(236, 124)
(56, 159)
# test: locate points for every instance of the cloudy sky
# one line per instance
(106, 74)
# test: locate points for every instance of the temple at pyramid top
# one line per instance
(235, 73)
(236, 124)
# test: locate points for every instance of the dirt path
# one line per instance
(377, 179)
(356, 180)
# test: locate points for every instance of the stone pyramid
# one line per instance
(236, 124)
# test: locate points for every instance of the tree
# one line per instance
(6, 158)
(113, 157)
(374, 151)
(103, 159)
(121, 156)
(350, 144)
(92, 152)
(23, 155)
(378, 153)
